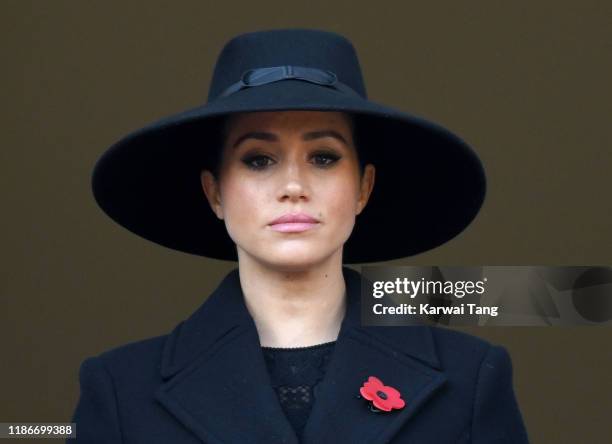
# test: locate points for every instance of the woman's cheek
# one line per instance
(345, 198)
(342, 216)
(237, 209)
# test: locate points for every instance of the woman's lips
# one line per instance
(293, 223)
(293, 227)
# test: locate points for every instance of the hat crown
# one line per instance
(298, 47)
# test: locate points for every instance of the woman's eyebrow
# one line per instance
(271, 137)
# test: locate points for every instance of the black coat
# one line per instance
(207, 381)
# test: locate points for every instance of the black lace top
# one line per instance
(295, 372)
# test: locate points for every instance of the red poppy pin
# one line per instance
(381, 397)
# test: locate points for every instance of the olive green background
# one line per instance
(527, 84)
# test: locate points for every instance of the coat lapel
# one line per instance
(402, 357)
(217, 383)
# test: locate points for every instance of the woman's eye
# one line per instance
(261, 161)
(257, 162)
(325, 159)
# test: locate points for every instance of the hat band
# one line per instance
(263, 76)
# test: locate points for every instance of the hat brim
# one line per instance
(429, 183)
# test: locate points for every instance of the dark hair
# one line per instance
(212, 159)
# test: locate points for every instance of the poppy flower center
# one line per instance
(381, 394)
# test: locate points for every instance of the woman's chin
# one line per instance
(293, 259)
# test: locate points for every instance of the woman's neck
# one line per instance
(294, 308)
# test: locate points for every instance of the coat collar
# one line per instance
(217, 383)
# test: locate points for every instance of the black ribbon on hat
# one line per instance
(263, 76)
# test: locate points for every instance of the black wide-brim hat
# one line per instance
(429, 183)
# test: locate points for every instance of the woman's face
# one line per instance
(285, 163)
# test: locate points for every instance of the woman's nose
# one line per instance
(294, 181)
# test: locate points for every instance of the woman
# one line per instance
(302, 174)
